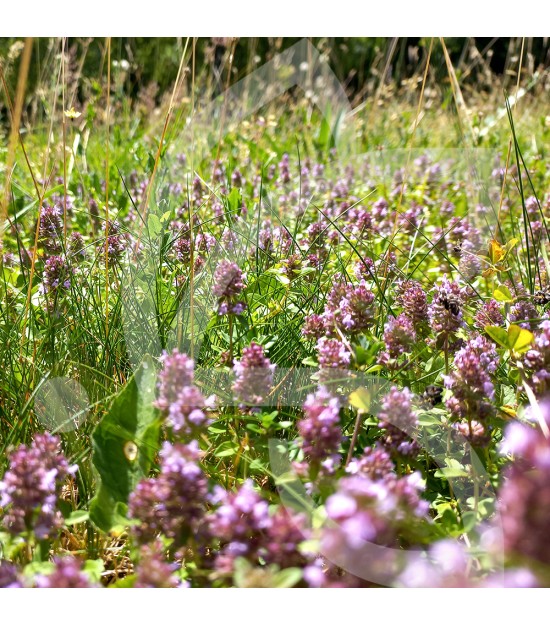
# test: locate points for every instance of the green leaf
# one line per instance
(469, 521)
(125, 582)
(361, 355)
(279, 275)
(309, 362)
(154, 225)
(78, 516)
(519, 338)
(499, 335)
(502, 294)
(287, 578)
(515, 339)
(124, 444)
(360, 399)
(227, 448)
(450, 472)
(234, 201)
(94, 569)
(35, 568)
(102, 509)
(426, 419)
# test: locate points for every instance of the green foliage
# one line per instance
(125, 443)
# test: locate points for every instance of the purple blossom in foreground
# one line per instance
(524, 499)
(291, 266)
(57, 275)
(334, 360)
(470, 380)
(446, 567)
(399, 421)
(115, 243)
(399, 338)
(237, 179)
(470, 265)
(246, 529)
(511, 578)
(359, 223)
(314, 327)
(186, 415)
(9, 575)
(253, 376)
(239, 523)
(476, 433)
(77, 250)
(51, 227)
(463, 236)
(67, 574)
(488, 314)
(321, 432)
(94, 213)
(537, 359)
(333, 354)
(173, 502)
(445, 311)
(375, 463)
(284, 169)
(524, 314)
(153, 571)
(228, 280)
(177, 373)
(287, 530)
(349, 308)
(7, 259)
(31, 485)
(228, 285)
(180, 400)
(413, 299)
(365, 511)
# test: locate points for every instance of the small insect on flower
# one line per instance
(542, 297)
(433, 394)
(450, 303)
(72, 113)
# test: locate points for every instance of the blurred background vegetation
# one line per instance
(363, 64)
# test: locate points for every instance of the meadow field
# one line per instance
(274, 313)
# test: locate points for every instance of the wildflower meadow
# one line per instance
(274, 313)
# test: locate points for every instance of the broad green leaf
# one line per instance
(125, 582)
(450, 472)
(309, 362)
(102, 509)
(360, 399)
(519, 339)
(499, 335)
(153, 225)
(502, 294)
(234, 201)
(124, 444)
(35, 568)
(426, 419)
(78, 516)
